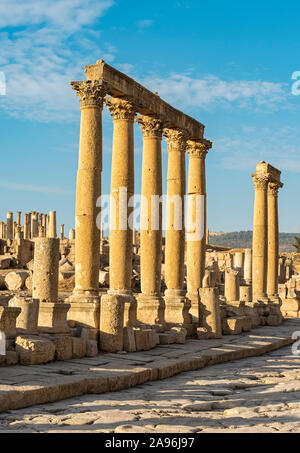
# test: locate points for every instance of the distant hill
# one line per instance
(243, 239)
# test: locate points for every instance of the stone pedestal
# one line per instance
(150, 303)
(27, 321)
(8, 317)
(88, 191)
(177, 308)
(53, 317)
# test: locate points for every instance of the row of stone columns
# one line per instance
(265, 235)
(35, 225)
(151, 304)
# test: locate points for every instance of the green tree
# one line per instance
(297, 244)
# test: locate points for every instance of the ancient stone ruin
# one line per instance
(63, 298)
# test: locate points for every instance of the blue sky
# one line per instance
(227, 63)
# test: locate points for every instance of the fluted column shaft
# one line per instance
(122, 189)
(260, 238)
(88, 188)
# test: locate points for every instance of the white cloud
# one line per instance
(46, 52)
(32, 188)
(186, 90)
(242, 151)
(146, 23)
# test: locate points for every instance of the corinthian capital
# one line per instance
(151, 126)
(120, 108)
(198, 148)
(260, 182)
(176, 139)
(91, 92)
(273, 188)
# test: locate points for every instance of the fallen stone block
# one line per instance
(91, 348)
(129, 339)
(5, 262)
(141, 340)
(34, 350)
(63, 347)
(14, 281)
(78, 347)
(11, 358)
(168, 337)
(8, 319)
(180, 334)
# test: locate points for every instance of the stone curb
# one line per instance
(122, 378)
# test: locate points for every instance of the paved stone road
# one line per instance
(258, 394)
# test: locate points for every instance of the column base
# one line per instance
(85, 309)
(130, 306)
(151, 309)
(53, 317)
(177, 308)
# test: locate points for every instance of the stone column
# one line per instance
(72, 234)
(9, 225)
(2, 235)
(62, 231)
(45, 224)
(196, 222)
(232, 285)
(248, 266)
(85, 298)
(260, 235)
(273, 239)
(52, 224)
(177, 306)
(19, 218)
(151, 305)
(29, 225)
(122, 190)
(35, 230)
(52, 315)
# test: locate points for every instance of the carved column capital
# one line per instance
(198, 148)
(150, 125)
(91, 92)
(176, 139)
(120, 108)
(260, 182)
(273, 188)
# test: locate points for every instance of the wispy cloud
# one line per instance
(185, 90)
(47, 50)
(242, 151)
(32, 188)
(145, 23)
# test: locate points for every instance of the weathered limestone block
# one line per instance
(66, 266)
(8, 317)
(34, 350)
(251, 309)
(111, 323)
(180, 334)
(290, 305)
(28, 282)
(129, 339)
(87, 332)
(5, 262)
(63, 347)
(210, 314)
(245, 293)
(141, 340)
(78, 347)
(168, 337)
(91, 348)
(11, 358)
(53, 317)
(28, 318)
(15, 281)
(236, 325)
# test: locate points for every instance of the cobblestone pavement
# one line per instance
(258, 394)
